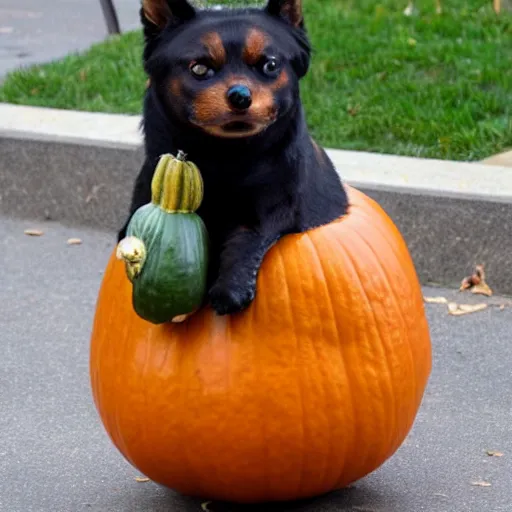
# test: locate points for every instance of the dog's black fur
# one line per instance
(258, 187)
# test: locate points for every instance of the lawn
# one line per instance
(429, 85)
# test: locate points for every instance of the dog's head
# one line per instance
(230, 73)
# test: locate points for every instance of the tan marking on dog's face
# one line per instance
(175, 87)
(213, 43)
(212, 110)
(281, 81)
(211, 104)
(254, 48)
(263, 104)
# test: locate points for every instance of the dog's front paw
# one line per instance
(227, 298)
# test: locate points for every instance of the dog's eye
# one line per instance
(201, 71)
(271, 67)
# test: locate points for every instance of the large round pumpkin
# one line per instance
(314, 386)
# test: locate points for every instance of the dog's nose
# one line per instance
(240, 97)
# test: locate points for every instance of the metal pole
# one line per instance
(110, 14)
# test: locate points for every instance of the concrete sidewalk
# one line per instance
(36, 31)
(56, 457)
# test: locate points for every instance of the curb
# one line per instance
(79, 167)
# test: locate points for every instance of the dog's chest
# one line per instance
(236, 193)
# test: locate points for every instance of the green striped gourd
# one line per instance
(166, 245)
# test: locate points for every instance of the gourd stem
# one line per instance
(182, 156)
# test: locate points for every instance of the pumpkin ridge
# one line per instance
(402, 251)
(403, 320)
(400, 255)
(308, 237)
(335, 324)
(119, 440)
(216, 325)
(396, 423)
(377, 329)
(301, 391)
(144, 391)
(355, 412)
(165, 356)
(117, 416)
(410, 272)
(185, 399)
(325, 394)
(264, 430)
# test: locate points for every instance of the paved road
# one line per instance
(33, 31)
(55, 456)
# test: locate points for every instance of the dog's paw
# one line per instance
(227, 298)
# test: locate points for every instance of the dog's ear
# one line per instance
(289, 10)
(160, 13)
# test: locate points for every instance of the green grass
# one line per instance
(428, 85)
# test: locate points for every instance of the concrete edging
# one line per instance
(78, 168)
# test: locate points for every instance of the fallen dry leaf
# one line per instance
(482, 289)
(502, 307)
(481, 483)
(493, 453)
(476, 282)
(205, 506)
(468, 282)
(436, 300)
(6, 30)
(74, 241)
(141, 479)
(33, 232)
(464, 309)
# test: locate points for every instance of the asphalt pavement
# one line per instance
(36, 31)
(56, 457)
(39, 31)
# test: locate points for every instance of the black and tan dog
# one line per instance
(224, 88)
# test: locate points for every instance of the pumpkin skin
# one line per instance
(311, 388)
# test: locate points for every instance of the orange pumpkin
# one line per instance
(314, 386)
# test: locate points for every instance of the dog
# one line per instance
(224, 89)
